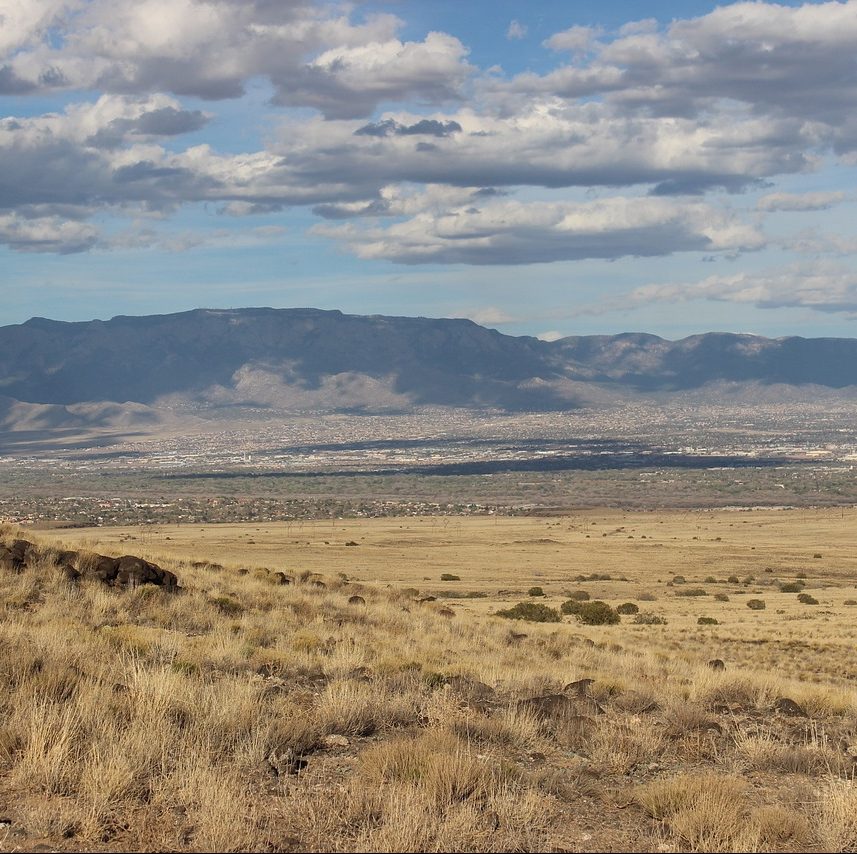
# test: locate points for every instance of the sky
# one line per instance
(543, 168)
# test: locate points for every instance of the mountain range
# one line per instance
(134, 369)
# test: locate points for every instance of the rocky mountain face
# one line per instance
(299, 359)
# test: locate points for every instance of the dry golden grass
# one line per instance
(241, 714)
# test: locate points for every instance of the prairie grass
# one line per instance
(290, 719)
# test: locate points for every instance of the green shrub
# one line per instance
(448, 576)
(649, 620)
(807, 599)
(535, 612)
(570, 606)
(721, 597)
(535, 591)
(579, 595)
(707, 621)
(756, 604)
(791, 587)
(597, 613)
(627, 608)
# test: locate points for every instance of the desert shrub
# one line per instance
(710, 579)
(756, 604)
(721, 597)
(535, 591)
(646, 597)
(649, 620)
(791, 587)
(534, 612)
(850, 602)
(448, 576)
(707, 621)
(593, 576)
(807, 599)
(679, 579)
(596, 613)
(457, 594)
(627, 608)
(579, 595)
(801, 575)
(692, 591)
(817, 555)
(748, 580)
(733, 579)
(570, 606)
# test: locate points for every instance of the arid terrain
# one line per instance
(374, 702)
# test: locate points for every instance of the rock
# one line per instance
(578, 688)
(285, 762)
(335, 740)
(356, 600)
(70, 573)
(788, 707)
(281, 578)
(717, 664)
(635, 702)
(471, 689)
(559, 707)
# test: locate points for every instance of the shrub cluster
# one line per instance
(535, 612)
(649, 620)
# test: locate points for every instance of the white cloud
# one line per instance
(511, 232)
(516, 31)
(823, 287)
(800, 201)
(550, 335)
(45, 234)
(312, 53)
(490, 316)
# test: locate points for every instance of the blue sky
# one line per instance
(543, 168)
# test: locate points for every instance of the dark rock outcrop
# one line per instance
(125, 571)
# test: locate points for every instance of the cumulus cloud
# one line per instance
(512, 232)
(728, 101)
(780, 61)
(548, 145)
(312, 53)
(822, 287)
(45, 234)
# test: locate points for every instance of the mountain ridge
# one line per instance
(307, 358)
